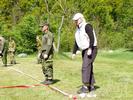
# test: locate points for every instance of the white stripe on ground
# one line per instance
(52, 87)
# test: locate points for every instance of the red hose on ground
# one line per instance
(21, 86)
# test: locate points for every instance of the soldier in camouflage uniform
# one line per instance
(39, 46)
(3, 50)
(47, 54)
(11, 50)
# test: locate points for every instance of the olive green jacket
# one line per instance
(47, 43)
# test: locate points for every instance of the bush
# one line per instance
(26, 34)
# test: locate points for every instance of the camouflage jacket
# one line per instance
(12, 46)
(47, 43)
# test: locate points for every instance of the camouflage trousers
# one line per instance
(47, 68)
(12, 57)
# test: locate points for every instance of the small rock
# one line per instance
(22, 55)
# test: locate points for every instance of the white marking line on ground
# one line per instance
(17, 70)
(52, 87)
(3, 70)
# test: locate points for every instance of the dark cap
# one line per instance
(44, 24)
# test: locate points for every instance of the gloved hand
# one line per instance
(73, 56)
(45, 56)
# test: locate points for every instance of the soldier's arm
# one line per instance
(50, 44)
(6, 45)
(14, 45)
(5, 48)
(40, 43)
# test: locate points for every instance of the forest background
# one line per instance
(112, 20)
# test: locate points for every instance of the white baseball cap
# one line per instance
(77, 16)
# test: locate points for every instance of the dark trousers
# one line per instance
(87, 66)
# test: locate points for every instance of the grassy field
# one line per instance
(113, 72)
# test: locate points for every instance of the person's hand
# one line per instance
(78, 52)
(89, 52)
(73, 56)
(45, 56)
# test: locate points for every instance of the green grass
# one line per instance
(113, 72)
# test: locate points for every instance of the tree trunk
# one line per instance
(59, 33)
(46, 2)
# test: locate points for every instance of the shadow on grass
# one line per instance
(17, 63)
(8, 65)
(64, 55)
(129, 50)
(49, 83)
(95, 86)
(55, 81)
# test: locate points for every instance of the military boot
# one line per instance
(47, 82)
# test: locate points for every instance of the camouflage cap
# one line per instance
(44, 24)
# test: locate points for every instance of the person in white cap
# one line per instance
(85, 40)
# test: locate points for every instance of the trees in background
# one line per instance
(112, 20)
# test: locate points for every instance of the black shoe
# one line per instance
(15, 62)
(39, 62)
(5, 65)
(11, 62)
(91, 88)
(47, 82)
(83, 89)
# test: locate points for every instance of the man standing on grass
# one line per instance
(11, 50)
(47, 54)
(85, 40)
(3, 50)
